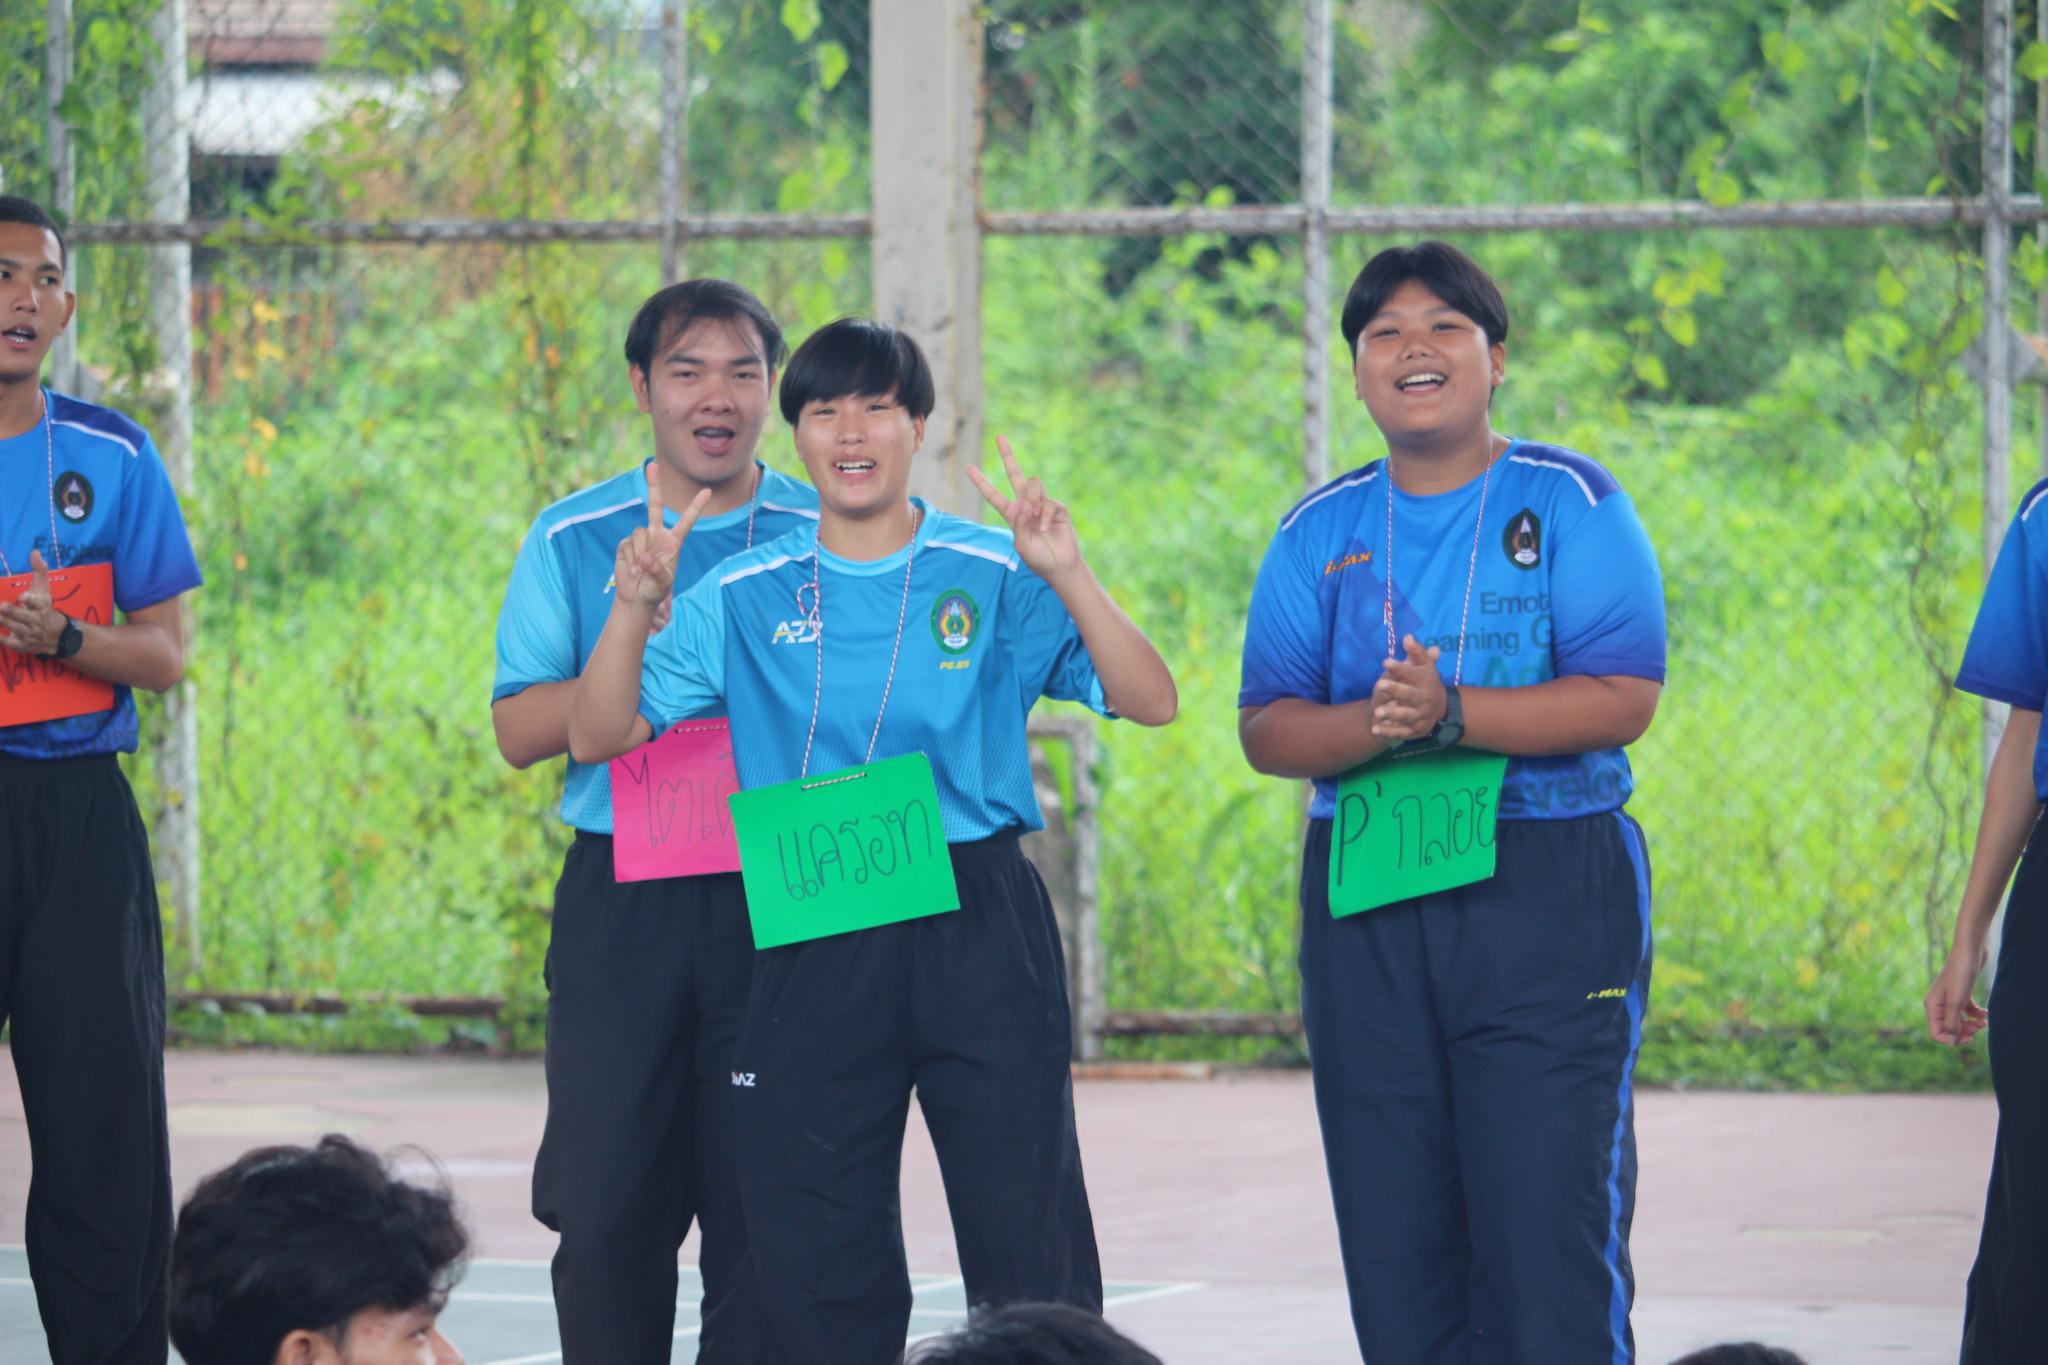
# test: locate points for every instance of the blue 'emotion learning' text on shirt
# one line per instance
(1565, 583)
(2007, 657)
(98, 476)
(560, 593)
(983, 637)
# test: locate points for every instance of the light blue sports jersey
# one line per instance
(113, 505)
(1565, 583)
(2007, 657)
(983, 639)
(561, 592)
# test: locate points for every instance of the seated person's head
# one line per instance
(313, 1256)
(1033, 1334)
(1741, 1353)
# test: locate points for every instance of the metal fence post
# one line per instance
(167, 171)
(925, 107)
(1316, 88)
(675, 134)
(1998, 34)
(63, 371)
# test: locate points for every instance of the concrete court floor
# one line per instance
(1841, 1226)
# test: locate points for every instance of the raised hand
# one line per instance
(645, 569)
(1044, 529)
(1409, 698)
(31, 624)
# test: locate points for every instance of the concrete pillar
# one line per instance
(925, 129)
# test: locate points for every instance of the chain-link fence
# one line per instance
(375, 422)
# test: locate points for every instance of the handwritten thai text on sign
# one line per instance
(1405, 827)
(669, 817)
(33, 689)
(842, 851)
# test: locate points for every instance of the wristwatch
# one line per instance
(1451, 728)
(69, 641)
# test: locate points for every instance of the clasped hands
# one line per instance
(32, 624)
(1409, 699)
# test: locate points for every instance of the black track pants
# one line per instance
(2005, 1321)
(970, 1009)
(647, 984)
(82, 990)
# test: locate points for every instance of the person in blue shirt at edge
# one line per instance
(81, 940)
(647, 980)
(1472, 1049)
(806, 639)
(2005, 1312)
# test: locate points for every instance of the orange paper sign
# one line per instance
(33, 689)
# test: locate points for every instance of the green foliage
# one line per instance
(381, 425)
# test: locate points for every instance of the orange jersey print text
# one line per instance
(1348, 561)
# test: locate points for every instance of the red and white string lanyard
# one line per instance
(50, 482)
(814, 617)
(1471, 568)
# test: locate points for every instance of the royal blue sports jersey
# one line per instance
(1566, 583)
(983, 638)
(2007, 657)
(561, 592)
(114, 505)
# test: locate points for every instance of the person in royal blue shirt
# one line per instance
(81, 942)
(889, 629)
(1472, 1048)
(647, 980)
(2005, 1314)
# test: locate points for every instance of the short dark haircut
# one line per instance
(15, 209)
(297, 1238)
(670, 312)
(1741, 1353)
(1450, 274)
(1033, 1334)
(861, 357)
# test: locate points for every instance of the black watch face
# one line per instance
(1449, 733)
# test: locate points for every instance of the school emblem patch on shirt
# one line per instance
(1523, 540)
(954, 620)
(72, 492)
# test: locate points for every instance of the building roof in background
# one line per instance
(228, 33)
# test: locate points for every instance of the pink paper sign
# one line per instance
(669, 817)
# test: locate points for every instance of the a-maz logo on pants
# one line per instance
(743, 1078)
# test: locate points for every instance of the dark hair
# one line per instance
(1741, 1353)
(15, 209)
(857, 356)
(295, 1238)
(670, 312)
(1450, 274)
(1033, 1334)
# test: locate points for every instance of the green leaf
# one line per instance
(832, 64)
(2033, 63)
(1650, 370)
(1847, 88)
(1568, 41)
(1891, 290)
(1720, 189)
(1680, 325)
(801, 18)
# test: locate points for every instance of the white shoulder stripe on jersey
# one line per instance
(1366, 477)
(1007, 561)
(125, 444)
(1584, 487)
(737, 574)
(579, 519)
(2033, 502)
(811, 512)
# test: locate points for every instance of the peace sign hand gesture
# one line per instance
(645, 570)
(1044, 529)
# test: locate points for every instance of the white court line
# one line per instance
(1162, 1292)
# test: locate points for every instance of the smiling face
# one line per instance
(34, 303)
(1426, 372)
(857, 450)
(706, 391)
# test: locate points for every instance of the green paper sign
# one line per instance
(843, 851)
(1409, 826)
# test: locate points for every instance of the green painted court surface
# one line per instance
(504, 1314)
